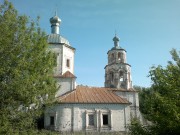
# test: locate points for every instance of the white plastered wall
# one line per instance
(68, 53)
(63, 52)
(57, 49)
(73, 117)
(133, 98)
(65, 85)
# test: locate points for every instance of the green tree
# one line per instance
(144, 93)
(26, 69)
(161, 103)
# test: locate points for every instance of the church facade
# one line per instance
(84, 108)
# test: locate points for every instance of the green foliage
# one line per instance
(160, 104)
(144, 93)
(25, 71)
(137, 128)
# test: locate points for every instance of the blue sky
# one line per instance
(148, 30)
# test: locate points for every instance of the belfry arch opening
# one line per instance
(119, 55)
(112, 55)
(111, 76)
(121, 76)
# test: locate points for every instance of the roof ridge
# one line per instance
(84, 94)
(108, 88)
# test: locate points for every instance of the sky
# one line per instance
(148, 30)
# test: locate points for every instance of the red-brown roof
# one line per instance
(67, 74)
(123, 90)
(84, 94)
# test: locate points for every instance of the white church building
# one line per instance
(84, 108)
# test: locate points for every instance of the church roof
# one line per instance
(85, 94)
(67, 74)
(56, 38)
(116, 48)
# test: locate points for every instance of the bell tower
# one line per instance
(117, 71)
(64, 70)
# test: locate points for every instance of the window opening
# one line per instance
(52, 120)
(91, 120)
(105, 119)
(112, 76)
(112, 55)
(119, 55)
(68, 63)
(121, 77)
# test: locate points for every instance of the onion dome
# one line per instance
(116, 41)
(55, 19)
(55, 37)
(55, 22)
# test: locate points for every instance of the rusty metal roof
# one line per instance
(122, 90)
(85, 94)
(67, 74)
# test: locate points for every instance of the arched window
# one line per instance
(112, 55)
(68, 63)
(119, 55)
(111, 76)
(122, 57)
(121, 76)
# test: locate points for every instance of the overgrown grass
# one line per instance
(84, 133)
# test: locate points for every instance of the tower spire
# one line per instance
(116, 40)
